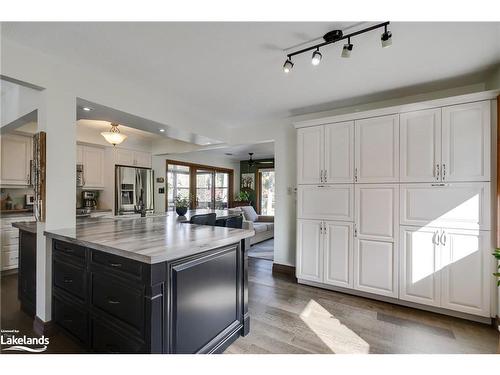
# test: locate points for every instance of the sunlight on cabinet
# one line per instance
(339, 338)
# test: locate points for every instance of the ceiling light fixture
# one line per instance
(316, 57)
(386, 38)
(288, 65)
(87, 109)
(347, 49)
(162, 130)
(114, 136)
(251, 162)
(336, 36)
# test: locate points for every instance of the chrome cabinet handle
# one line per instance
(434, 237)
(116, 265)
(444, 171)
(442, 239)
(324, 176)
(355, 174)
(113, 302)
(355, 231)
(437, 172)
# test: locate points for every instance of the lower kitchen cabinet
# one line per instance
(447, 268)
(375, 267)
(325, 252)
(309, 250)
(420, 278)
(466, 271)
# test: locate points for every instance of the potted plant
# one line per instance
(181, 205)
(242, 199)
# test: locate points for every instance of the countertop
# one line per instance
(153, 239)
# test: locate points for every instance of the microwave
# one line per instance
(29, 200)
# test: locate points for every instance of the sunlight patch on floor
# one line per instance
(337, 336)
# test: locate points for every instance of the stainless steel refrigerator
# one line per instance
(134, 187)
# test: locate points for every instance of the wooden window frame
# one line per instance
(192, 179)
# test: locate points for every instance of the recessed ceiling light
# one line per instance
(162, 130)
(88, 109)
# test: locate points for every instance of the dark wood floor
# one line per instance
(290, 318)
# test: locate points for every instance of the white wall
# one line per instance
(159, 166)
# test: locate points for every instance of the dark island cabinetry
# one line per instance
(113, 304)
(27, 272)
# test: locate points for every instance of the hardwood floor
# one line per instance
(289, 318)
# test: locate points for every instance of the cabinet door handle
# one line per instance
(355, 231)
(68, 280)
(442, 239)
(116, 265)
(325, 178)
(437, 172)
(355, 174)
(444, 171)
(435, 239)
(113, 302)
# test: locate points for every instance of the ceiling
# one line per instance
(240, 152)
(232, 72)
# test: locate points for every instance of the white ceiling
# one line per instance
(232, 72)
(240, 152)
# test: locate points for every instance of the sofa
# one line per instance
(262, 225)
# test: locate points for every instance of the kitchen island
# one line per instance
(150, 285)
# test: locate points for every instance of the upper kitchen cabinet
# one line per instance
(420, 153)
(326, 153)
(339, 153)
(17, 151)
(310, 155)
(377, 149)
(132, 158)
(92, 158)
(466, 142)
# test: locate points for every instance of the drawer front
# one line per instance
(10, 237)
(70, 278)
(71, 318)
(7, 248)
(456, 205)
(74, 252)
(10, 259)
(119, 264)
(326, 202)
(120, 300)
(107, 340)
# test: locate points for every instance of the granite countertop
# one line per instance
(153, 239)
(27, 226)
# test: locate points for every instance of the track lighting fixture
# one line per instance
(336, 36)
(346, 50)
(288, 65)
(316, 57)
(386, 38)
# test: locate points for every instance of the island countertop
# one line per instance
(149, 240)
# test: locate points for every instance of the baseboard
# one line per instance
(42, 328)
(284, 269)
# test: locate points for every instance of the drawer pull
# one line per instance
(113, 302)
(68, 280)
(116, 265)
(68, 250)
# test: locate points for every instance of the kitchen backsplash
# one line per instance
(16, 194)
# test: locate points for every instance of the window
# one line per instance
(267, 191)
(178, 178)
(211, 187)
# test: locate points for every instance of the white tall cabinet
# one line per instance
(399, 204)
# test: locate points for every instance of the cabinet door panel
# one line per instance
(420, 153)
(466, 142)
(93, 167)
(16, 153)
(375, 269)
(458, 205)
(377, 149)
(143, 159)
(326, 202)
(466, 271)
(309, 250)
(124, 157)
(420, 279)
(310, 154)
(377, 211)
(339, 152)
(338, 254)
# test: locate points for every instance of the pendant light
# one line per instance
(316, 57)
(114, 136)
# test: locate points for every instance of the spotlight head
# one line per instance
(386, 39)
(288, 65)
(346, 50)
(316, 57)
